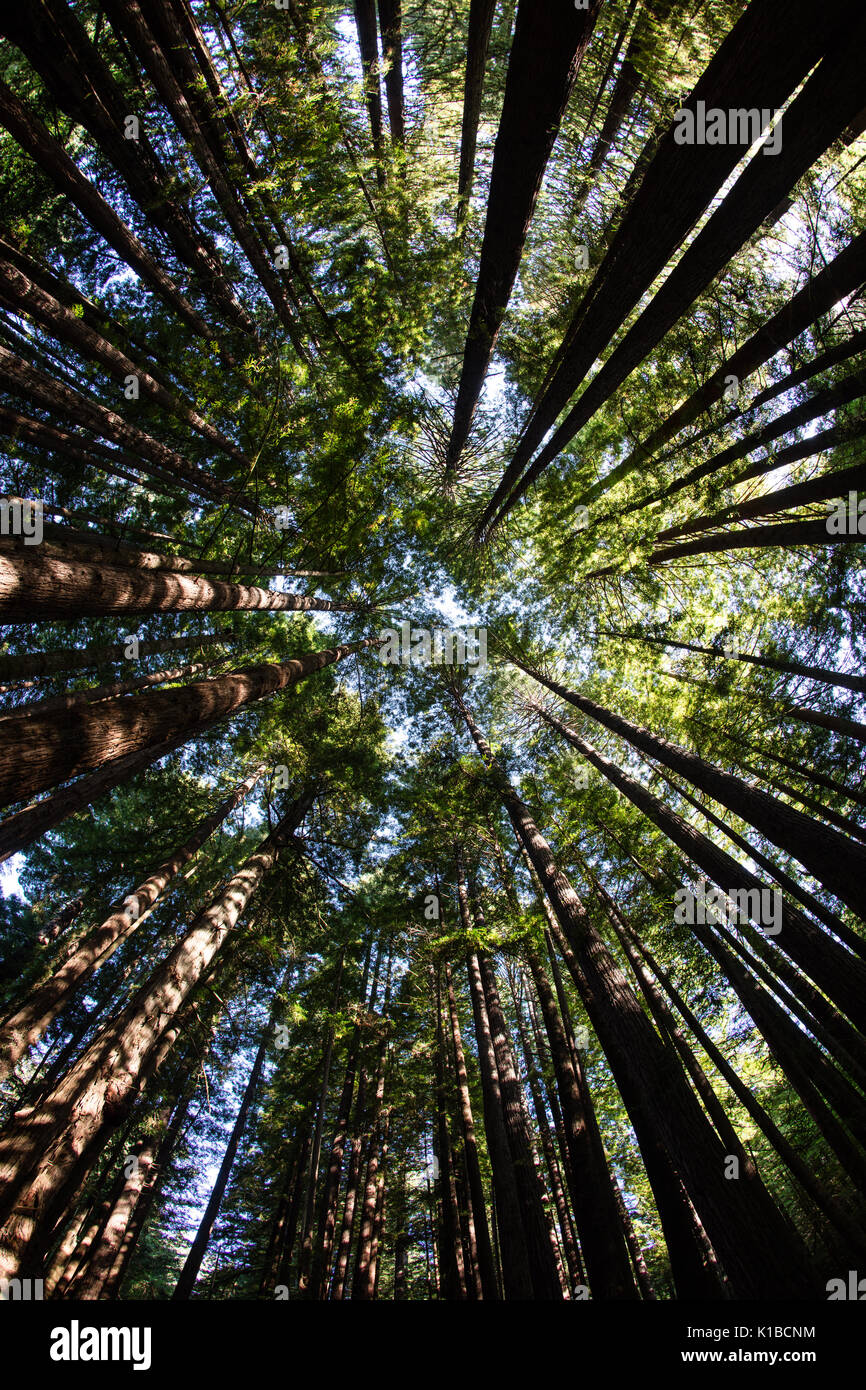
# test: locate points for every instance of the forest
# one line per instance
(432, 685)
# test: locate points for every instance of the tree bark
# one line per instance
(53, 749)
(61, 400)
(56, 43)
(51, 581)
(598, 1224)
(22, 295)
(516, 1275)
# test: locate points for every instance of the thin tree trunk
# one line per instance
(22, 295)
(34, 138)
(804, 1173)
(341, 1264)
(67, 449)
(56, 43)
(61, 400)
(815, 407)
(800, 938)
(188, 1275)
(641, 1272)
(545, 1279)
(451, 1263)
(843, 274)
(482, 1251)
(567, 1240)
(94, 694)
(365, 22)
(598, 1224)
(67, 659)
(786, 665)
(139, 23)
(306, 1253)
(362, 1282)
(516, 1276)
(321, 1269)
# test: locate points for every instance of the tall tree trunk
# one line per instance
(98, 733)
(34, 137)
(139, 22)
(451, 1262)
(91, 1284)
(56, 43)
(800, 938)
(815, 407)
(391, 30)
(24, 827)
(546, 52)
(34, 664)
(840, 1217)
(96, 693)
(328, 1210)
(592, 1195)
(67, 449)
(306, 1253)
(516, 1276)
(786, 665)
(641, 1272)
(363, 1280)
(844, 1034)
(545, 1280)
(48, 581)
(477, 41)
(365, 22)
(482, 1250)
(567, 1242)
(154, 1178)
(61, 400)
(837, 279)
(22, 295)
(350, 1201)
